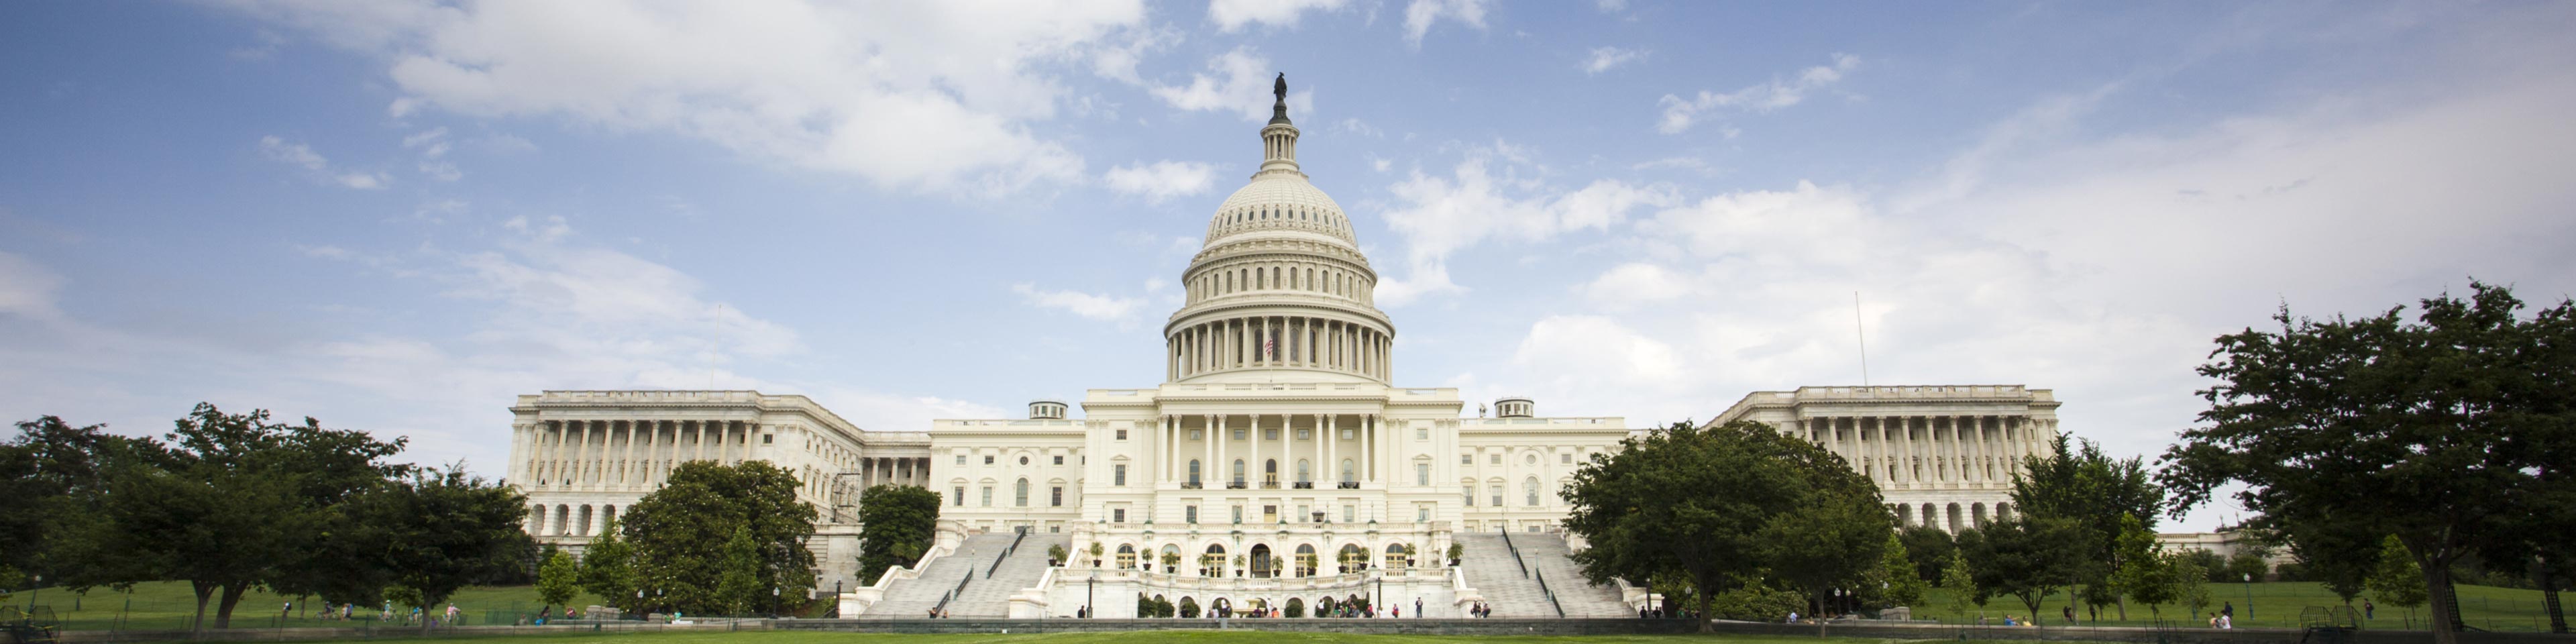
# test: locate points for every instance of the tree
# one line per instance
(608, 566)
(1929, 548)
(2440, 428)
(2027, 557)
(2146, 574)
(1834, 542)
(1959, 578)
(2190, 581)
(2247, 565)
(2341, 557)
(234, 501)
(52, 476)
(2075, 481)
(2398, 581)
(1695, 501)
(558, 580)
(897, 524)
(1905, 585)
(441, 530)
(684, 534)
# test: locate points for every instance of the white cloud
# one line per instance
(1096, 307)
(1680, 113)
(1610, 6)
(928, 95)
(1485, 197)
(1161, 180)
(1636, 283)
(1588, 354)
(302, 156)
(1603, 59)
(1239, 81)
(1420, 15)
(1232, 15)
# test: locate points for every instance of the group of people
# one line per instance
(1480, 610)
(386, 613)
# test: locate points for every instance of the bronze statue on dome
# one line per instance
(1279, 87)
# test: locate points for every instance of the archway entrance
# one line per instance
(1261, 560)
(1305, 560)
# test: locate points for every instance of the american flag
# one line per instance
(1269, 341)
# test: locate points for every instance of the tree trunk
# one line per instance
(203, 590)
(2124, 608)
(1704, 587)
(2437, 582)
(232, 597)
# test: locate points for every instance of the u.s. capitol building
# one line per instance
(1278, 463)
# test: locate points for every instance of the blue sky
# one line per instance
(394, 216)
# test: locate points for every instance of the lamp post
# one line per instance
(2249, 597)
(31, 593)
(773, 602)
(639, 602)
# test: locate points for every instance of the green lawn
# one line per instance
(1201, 636)
(2277, 605)
(169, 605)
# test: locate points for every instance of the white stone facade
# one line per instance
(581, 456)
(1942, 456)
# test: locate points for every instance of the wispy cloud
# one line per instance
(1603, 59)
(302, 156)
(1680, 113)
(1161, 180)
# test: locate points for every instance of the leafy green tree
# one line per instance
(1905, 585)
(2439, 428)
(558, 580)
(52, 477)
(681, 533)
(232, 502)
(608, 566)
(2077, 482)
(2398, 581)
(2247, 565)
(897, 524)
(441, 530)
(1695, 502)
(2190, 581)
(2027, 557)
(738, 586)
(2341, 558)
(2146, 574)
(1929, 548)
(1832, 542)
(1959, 578)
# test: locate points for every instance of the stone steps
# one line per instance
(913, 598)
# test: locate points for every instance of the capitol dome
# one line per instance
(1280, 290)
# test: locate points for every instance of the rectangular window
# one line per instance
(1302, 514)
(1119, 474)
(1421, 434)
(1466, 459)
(1238, 514)
(1055, 497)
(1497, 491)
(1422, 513)
(1471, 495)
(1059, 459)
(1305, 434)
(1350, 514)
(1347, 433)
(1566, 458)
(1238, 434)
(1494, 458)
(764, 439)
(1197, 434)
(1421, 473)
(1270, 434)
(988, 496)
(988, 459)
(1122, 434)
(1190, 514)
(961, 459)
(1118, 515)
(960, 497)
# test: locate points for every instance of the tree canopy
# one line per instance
(2026, 557)
(714, 536)
(896, 526)
(2076, 482)
(1717, 507)
(2447, 431)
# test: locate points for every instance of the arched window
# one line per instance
(1170, 559)
(1212, 563)
(1350, 474)
(1396, 554)
(1238, 471)
(1194, 472)
(1529, 486)
(1301, 472)
(1306, 560)
(1020, 493)
(1270, 473)
(1126, 556)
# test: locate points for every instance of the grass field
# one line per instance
(2278, 605)
(168, 605)
(1134, 637)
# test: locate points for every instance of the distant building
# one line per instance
(1942, 456)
